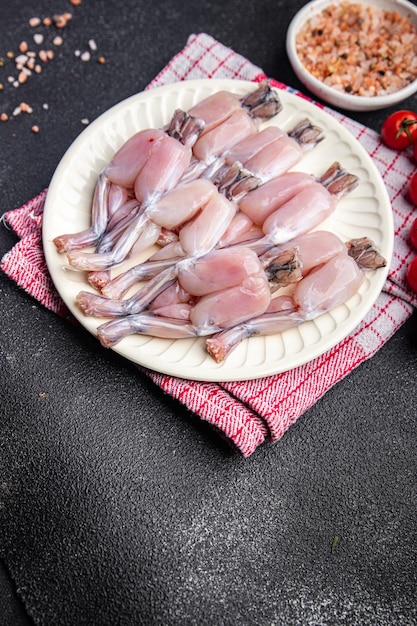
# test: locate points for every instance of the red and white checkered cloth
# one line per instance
(250, 412)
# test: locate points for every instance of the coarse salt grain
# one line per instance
(61, 20)
(26, 61)
(22, 78)
(359, 49)
(43, 56)
(24, 106)
(21, 59)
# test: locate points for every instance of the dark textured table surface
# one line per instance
(117, 506)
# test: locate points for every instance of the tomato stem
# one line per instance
(405, 127)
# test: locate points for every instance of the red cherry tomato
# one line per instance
(399, 130)
(412, 189)
(413, 234)
(412, 274)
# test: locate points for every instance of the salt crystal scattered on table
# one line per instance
(22, 78)
(21, 59)
(25, 107)
(34, 21)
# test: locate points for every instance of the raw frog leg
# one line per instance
(306, 210)
(269, 152)
(135, 153)
(175, 302)
(284, 152)
(333, 272)
(99, 220)
(259, 203)
(199, 213)
(239, 291)
(229, 119)
(262, 104)
(238, 305)
(151, 163)
(112, 332)
(280, 315)
(328, 286)
(268, 156)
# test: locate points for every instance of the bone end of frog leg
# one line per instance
(98, 280)
(364, 251)
(185, 127)
(216, 349)
(332, 172)
(61, 244)
(283, 269)
(235, 181)
(221, 344)
(263, 103)
(94, 305)
(307, 135)
(84, 302)
(343, 184)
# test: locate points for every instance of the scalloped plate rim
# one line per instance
(208, 370)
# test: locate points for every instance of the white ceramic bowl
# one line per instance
(328, 94)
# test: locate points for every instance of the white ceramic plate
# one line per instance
(366, 211)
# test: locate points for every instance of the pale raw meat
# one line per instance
(327, 286)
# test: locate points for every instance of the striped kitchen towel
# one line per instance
(248, 413)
